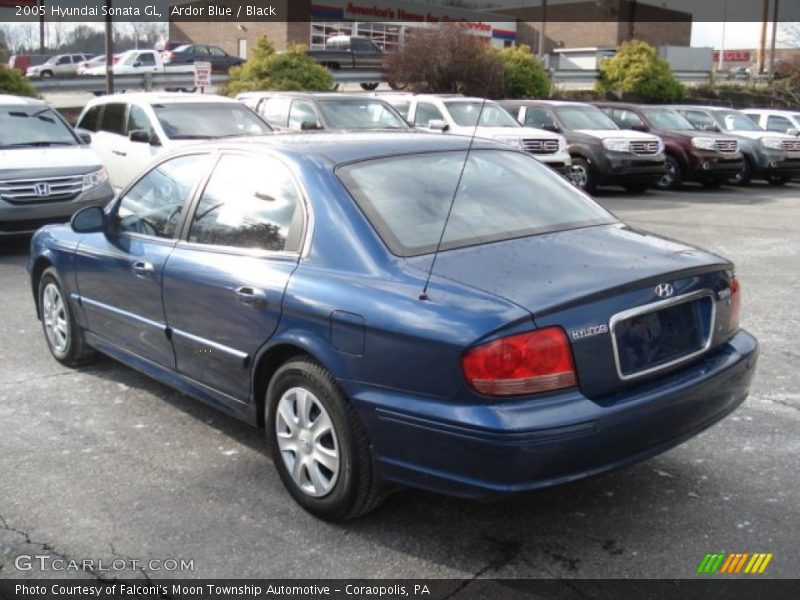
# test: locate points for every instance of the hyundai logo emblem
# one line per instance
(42, 189)
(664, 290)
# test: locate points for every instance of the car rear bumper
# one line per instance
(488, 450)
(18, 219)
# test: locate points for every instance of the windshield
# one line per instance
(360, 114)
(584, 117)
(664, 118)
(465, 114)
(503, 195)
(33, 126)
(734, 121)
(202, 120)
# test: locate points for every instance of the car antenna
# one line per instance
(424, 293)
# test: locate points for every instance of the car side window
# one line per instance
(64, 60)
(276, 110)
(777, 123)
(216, 51)
(154, 204)
(537, 117)
(625, 119)
(138, 119)
(146, 59)
(699, 119)
(201, 50)
(302, 112)
(427, 112)
(91, 119)
(113, 118)
(363, 46)
(249, 202)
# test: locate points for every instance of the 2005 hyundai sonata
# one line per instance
(281, 280)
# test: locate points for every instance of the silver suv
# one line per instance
(46, 170)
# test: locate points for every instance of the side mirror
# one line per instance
(640, 127)
(438, 125)
(551, 127)
(793, 131)
(309, 126)
(138, 63)
(91, 219)
(85, 137)
(145, 137)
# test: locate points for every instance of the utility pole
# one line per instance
(41, 28)
(109, 50)
(542, 37)
(722, 47)
(774, 36)
(762, 45)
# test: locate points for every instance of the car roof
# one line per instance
(546, 103)
(160, 98)
(9, 100)
(308, 95)
(337, 148)
(696, 107)
(771, 111)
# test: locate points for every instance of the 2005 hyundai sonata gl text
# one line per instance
(280, 279)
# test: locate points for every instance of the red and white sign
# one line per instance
(202, 74)
(733, 55)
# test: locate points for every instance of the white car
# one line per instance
(459, 115)
(139, 61)
(61, 65)
(128, 131)
(781, 121)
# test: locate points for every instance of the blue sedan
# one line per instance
(400, 309)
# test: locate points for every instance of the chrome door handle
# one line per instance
(118, 153)
(250, 295)
(142, 268)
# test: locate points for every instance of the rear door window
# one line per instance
(91, 119)
(113, 118)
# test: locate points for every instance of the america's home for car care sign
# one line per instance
(490, 26)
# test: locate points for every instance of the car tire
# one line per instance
(673, 176)
(636, 188)
(62, 333)
(743, 177)
(309, 419)
(46, 74)
(398, 86)
(582, 176)
(777, 179)
(369, 87)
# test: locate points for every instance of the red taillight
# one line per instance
(526, 363)
(169, 57)
(736, 304)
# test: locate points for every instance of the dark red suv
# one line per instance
(691, 155)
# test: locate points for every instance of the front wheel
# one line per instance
(369, 87)
(318, 444)
(742, 178)
(63, 335)
(582, 175)
(398, 86)
(672, 178)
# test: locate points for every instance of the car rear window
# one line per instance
(503, 195)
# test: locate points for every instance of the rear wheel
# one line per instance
(63, 335)
(369, 86)
(398, 85)
(673, 177)
(318, 444)
(582, 175)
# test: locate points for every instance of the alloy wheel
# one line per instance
(54, 314)
(307, 441)
(579, 176)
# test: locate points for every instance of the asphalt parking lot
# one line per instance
(103, 463)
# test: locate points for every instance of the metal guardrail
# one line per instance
(160, 81)
(591, 75)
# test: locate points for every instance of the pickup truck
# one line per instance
(140, 61)
(353, 53)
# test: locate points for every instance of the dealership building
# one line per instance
(388, 23)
